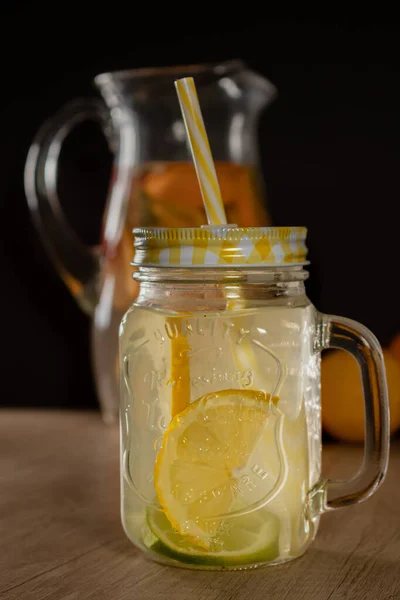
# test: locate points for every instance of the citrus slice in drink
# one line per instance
(180, 371)
(247, 539)
(218, 453)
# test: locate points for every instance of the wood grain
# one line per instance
(61, 538)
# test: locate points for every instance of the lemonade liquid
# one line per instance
(222, 481)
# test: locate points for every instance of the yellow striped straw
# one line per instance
(201, 151)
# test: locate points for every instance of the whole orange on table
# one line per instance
(342, 395)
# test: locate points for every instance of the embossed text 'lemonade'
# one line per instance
(220, 430)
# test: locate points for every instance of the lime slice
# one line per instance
(249, 539)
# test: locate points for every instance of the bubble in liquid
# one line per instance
(157, 444)
(188, 497)
(216, 544)
(186, 526)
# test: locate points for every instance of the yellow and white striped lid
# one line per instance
(219, 246)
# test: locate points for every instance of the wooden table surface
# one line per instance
(61, 538)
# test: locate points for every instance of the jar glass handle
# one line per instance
(348, 335)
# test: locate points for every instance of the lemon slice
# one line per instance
(180, 374)
(211, 457)
(252, 538)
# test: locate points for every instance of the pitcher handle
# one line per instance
(78, 264)
(348, 335)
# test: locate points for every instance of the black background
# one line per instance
(329, 147)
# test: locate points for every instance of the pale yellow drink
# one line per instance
(224, 479)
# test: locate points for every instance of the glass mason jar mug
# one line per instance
(220, 399)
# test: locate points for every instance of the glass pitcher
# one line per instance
(153, 183)
(220, 399)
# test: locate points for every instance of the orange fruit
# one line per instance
(394, 347)
(118, 269)
(342, 395)
(173, 195)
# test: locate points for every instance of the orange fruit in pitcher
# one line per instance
(174, 200)
(342, 395)
(394, 347)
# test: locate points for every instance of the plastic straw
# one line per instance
(201, 151)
